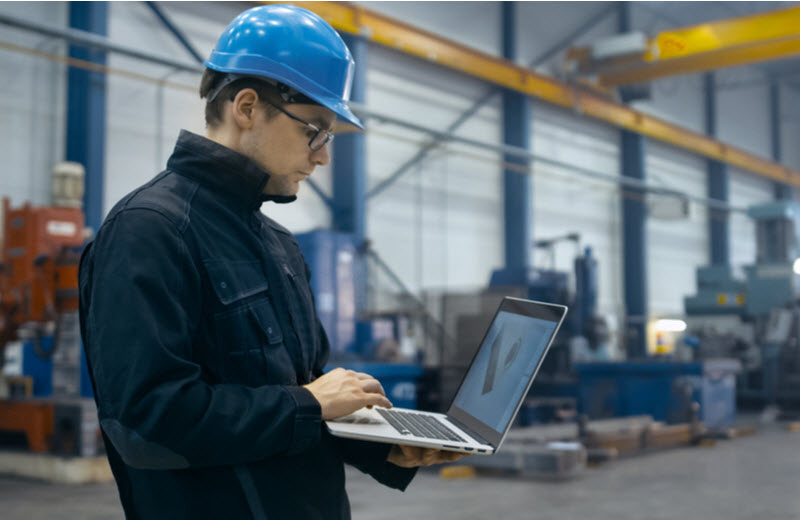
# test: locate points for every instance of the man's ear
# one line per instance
(244, 108)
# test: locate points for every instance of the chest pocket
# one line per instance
(247, 335)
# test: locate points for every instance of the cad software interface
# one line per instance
(501, 371)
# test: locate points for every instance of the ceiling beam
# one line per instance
(405, 38)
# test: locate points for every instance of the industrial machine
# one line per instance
(46, 393)
(586, 334)
(578, 367)
(566, 384)
(39, 277)
(755, 319)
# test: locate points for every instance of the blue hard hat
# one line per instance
(293, 46)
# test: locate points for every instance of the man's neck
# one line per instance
(224, 137)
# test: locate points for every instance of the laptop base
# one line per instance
(369, 425)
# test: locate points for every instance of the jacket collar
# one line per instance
(233, 175)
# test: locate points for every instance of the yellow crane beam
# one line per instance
(708, 46)
(357, 20)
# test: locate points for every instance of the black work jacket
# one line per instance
(200, 328)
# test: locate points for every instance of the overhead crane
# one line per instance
(709, 46)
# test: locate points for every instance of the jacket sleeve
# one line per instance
(141, 305)
(368, 457)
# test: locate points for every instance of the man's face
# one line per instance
(280, 145)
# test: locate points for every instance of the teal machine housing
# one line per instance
(767, 298)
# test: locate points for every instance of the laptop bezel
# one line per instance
(533, 309)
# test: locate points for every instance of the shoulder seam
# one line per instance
(179, 227)
(180, 223)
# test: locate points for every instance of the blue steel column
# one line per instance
(634, 227)
(86, 108)
(718, 181)
(350, 157)
(517, 186)
(782, 191)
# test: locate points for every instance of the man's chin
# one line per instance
(284, 191)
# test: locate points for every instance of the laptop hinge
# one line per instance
(466, 429)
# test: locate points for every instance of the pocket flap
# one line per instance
(233, 281)
(268, 322)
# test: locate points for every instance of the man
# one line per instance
(198, 321)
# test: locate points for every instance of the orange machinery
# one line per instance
(39, 270)
(38, 282)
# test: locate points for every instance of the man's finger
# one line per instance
(429, 456)
(452, 456)
(413, 453)
(372, 386)
(447, 456)
(375, 399)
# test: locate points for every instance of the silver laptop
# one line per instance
(490, 395)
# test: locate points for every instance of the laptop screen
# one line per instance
(505, 364)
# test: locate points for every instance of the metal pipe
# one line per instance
(79, 37)
(515, 151)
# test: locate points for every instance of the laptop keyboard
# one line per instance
(419, 425)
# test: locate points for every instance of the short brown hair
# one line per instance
(268, 94)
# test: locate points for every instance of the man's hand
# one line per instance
(341, 392)
(413, 456)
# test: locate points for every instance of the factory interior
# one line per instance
(635, 162)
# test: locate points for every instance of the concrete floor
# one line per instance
(754, 477)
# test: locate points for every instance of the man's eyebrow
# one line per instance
(323, 123)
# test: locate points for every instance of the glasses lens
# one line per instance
(321, 139)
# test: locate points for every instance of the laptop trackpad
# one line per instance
(362, 416)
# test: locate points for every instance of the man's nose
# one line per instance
(321, 157)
